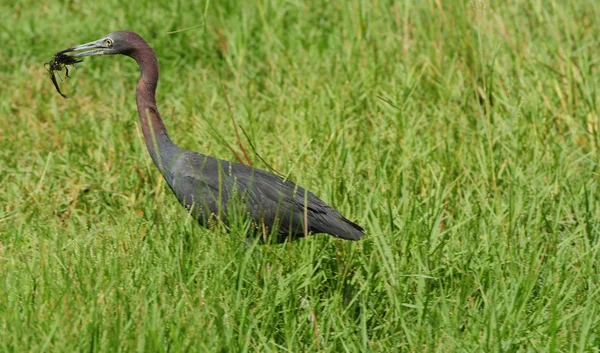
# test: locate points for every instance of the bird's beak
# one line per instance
(97, 47)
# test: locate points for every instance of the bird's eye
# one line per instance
(108, 42)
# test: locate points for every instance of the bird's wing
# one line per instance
(209, 184)
(199, 186)
(275, 199)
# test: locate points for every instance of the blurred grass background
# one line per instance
(462, 135)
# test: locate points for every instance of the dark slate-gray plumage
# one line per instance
(211, 188)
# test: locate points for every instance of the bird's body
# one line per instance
(213, 189)
(207, 186)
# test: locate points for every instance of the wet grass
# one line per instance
(462, 135)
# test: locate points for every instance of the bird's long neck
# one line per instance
(161, 148)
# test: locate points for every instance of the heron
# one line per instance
(209, 188)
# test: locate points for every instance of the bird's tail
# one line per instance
(352, 231)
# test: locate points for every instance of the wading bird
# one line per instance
(208, 187)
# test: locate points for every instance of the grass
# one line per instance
(464, 136)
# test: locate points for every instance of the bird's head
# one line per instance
(120, 42)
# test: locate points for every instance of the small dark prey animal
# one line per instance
(208, 187)
(58, 62)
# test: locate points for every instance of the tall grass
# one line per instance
(462, 135)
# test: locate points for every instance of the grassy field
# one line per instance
(464, 136)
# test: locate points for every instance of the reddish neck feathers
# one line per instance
(155, 133)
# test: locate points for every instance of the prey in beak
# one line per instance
(58, 62)
(62, 60)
